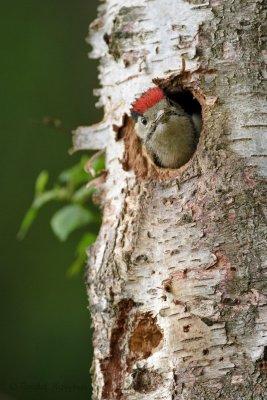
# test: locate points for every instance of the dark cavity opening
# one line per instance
(263, 363)
(186, 328)
(177, 147)
(186, 100)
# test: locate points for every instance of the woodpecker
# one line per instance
(168, 132)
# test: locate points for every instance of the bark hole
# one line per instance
(263, 363)
(112, 366)
(136, 156)
(186, 328)
(145, 380)
(183, 92)
(145, 337)
(187, 100)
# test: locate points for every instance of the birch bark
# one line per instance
(176, 278)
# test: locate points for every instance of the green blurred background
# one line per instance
(45, 335)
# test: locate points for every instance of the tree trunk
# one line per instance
(176, 277)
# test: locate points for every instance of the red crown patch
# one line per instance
(147, 100)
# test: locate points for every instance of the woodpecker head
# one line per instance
(151, 111)
(165, 129)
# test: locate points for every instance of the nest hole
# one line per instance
(186, 100)
(138, 158)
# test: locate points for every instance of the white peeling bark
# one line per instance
(176, 278)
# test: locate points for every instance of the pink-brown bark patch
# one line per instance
(145, 337)
(112, 366)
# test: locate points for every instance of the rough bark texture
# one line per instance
(176, 278)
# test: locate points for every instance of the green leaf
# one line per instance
(45, 197)
(76, 267)
(69, 218)
(40, 200)
(75, 175)
(41, 182)
(86, 240)
(82, 194)
(99, 164)
(27, 222)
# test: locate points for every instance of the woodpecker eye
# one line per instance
(144, 121)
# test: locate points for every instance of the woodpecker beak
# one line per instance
(159, 116)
